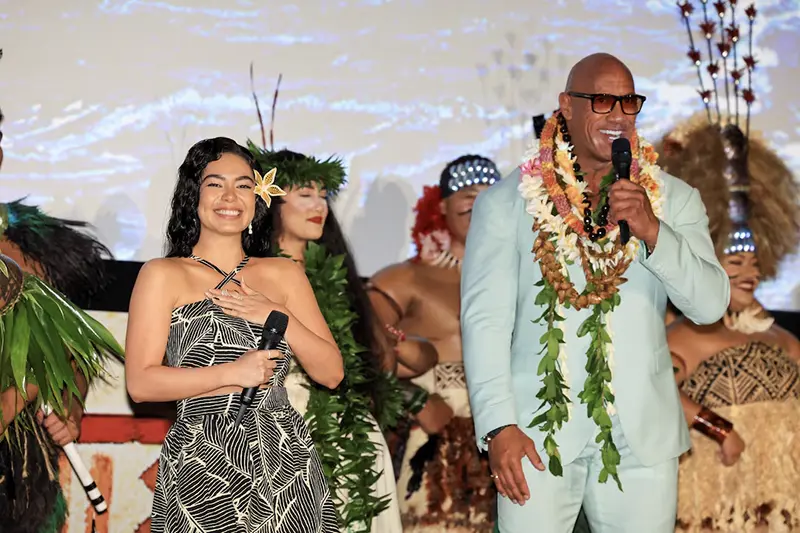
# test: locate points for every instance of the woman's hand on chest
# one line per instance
(249, 303)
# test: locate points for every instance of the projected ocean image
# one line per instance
(103, 100)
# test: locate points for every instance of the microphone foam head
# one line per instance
(277, 321)
(621, 150)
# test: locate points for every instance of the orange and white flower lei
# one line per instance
(550, 161)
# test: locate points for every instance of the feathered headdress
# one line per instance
(68, 258)
(749, 193)
(430, 233)
(726, 62)
(293, 170)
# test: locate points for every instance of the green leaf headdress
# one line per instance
(293, 171)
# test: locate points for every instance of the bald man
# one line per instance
(511, 379)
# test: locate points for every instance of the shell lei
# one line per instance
(553, 196)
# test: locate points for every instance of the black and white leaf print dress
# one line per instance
(263, 476)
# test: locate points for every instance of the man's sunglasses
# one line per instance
(602, 104)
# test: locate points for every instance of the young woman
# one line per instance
(346, 423)
(204, 305)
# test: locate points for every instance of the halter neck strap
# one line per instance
(227, 276)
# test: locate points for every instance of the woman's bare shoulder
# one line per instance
(163, 267)
(788, 342)
(687, 339)
(163, 275)
(276, 266)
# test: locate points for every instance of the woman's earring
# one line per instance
(250, 228)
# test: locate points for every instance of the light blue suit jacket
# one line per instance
(501, 343)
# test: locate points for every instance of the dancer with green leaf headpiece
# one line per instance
(346, 422)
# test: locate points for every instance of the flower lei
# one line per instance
(430, 233)
(554, 197)
(436, 250)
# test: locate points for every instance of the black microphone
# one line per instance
(621, 159)
(274, 329)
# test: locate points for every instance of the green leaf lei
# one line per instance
(340, 420)
(597, 393)
(42, 334)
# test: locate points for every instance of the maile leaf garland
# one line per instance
(340, 420)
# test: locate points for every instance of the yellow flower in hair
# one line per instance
(266, 188)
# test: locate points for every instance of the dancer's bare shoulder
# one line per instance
(399, 281)
(693, 343)
(398, 274)
(788, 342)
(275, 268)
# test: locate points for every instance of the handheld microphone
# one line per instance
(79, 467)
(274, 329)
(621, 159)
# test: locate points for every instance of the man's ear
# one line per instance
(565, 105)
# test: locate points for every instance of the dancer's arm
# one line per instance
(789, 343)
(12, 403)
(391, 293)
(731, 443)
(690, 408)
(415, 356)
(64, 431)
(149, 315)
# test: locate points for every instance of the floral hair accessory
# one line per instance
(266, 188)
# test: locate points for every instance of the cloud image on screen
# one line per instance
(102, 100)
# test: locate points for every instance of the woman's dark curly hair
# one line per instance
(183, 229)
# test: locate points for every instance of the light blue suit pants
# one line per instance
(647, 505)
